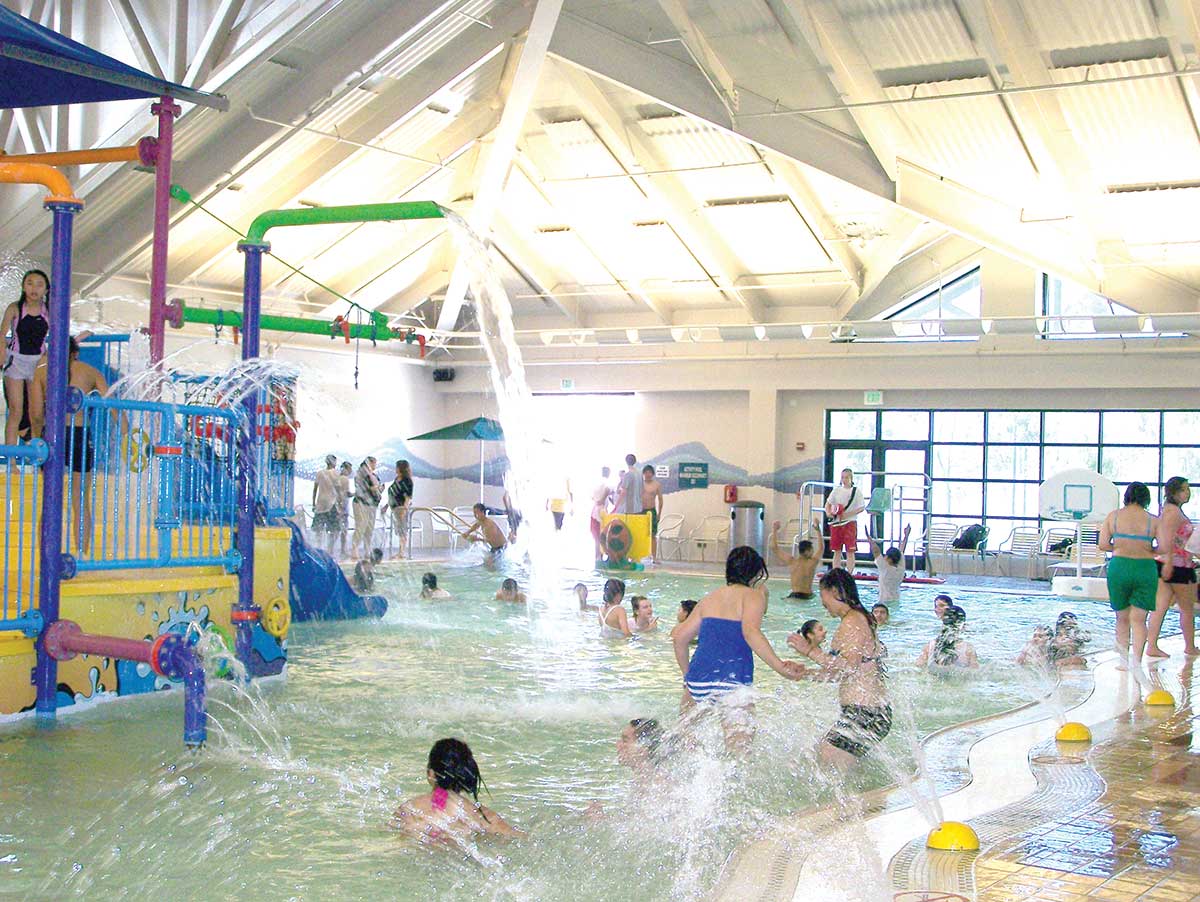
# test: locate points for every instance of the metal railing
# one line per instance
(21, 484)
(908, 502)
(149, 484)
(107, 353)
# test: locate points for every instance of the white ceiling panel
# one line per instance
(768, 237)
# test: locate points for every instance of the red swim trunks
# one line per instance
(844, 538)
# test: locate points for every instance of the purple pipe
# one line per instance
(170, 656)
(166, 110)
(45, 675)
(247, 484)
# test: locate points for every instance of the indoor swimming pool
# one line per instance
(292, 797)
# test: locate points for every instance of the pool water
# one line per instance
(292, 797)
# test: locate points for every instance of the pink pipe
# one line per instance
(65, 640)
(166, 110)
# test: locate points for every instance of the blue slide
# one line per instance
(320, 590)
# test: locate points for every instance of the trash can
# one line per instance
(747, 521)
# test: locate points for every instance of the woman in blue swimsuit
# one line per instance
(728, 623)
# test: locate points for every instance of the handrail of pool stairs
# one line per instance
(245, 611)
(171, 656)
(435, 514)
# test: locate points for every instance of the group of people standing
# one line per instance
(1153, 567)
(637, 491)
(336, 487)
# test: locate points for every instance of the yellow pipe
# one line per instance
(39, 174)
(73, 157)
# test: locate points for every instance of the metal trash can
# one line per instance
(747, 525)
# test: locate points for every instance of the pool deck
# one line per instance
(1116, 820)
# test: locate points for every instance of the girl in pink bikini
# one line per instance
(452, 812)
(1176, 569)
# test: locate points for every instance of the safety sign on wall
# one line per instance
(693, 476)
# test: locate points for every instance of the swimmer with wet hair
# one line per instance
(881, 613)
(940, 603)
(643, 614)
(1068, 642)
(452, 812)
(685, 609)
(948, 650)
(510, 591)
(639, 744)
(812, 632)
(1036, 652)
(430, 590)
(614, 623)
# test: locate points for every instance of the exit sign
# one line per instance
(873, 398)
(566, 384)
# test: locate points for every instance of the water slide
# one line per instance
(319, 588)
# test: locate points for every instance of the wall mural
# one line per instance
(787, 479)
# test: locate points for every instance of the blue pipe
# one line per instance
(45, 676)
(179, 661)
(245, 611)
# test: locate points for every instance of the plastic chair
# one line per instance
(881, 501)
(1087, 558)
(937, 540)
(441, 518)
(1023, 544)
(712, 531)
(670, 531)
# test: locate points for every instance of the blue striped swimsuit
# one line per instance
(722, 662)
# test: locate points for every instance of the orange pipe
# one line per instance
(39, 174)
(72, 157)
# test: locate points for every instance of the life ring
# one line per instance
(616, 539)
(137, 450)
(276, 617)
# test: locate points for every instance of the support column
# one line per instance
(762, 433)
(245, 612)
(51, 526)
(166, 110)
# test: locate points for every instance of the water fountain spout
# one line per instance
(170, 656)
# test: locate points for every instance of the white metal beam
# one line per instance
(510, 244)
(702, 53)
(682, 87)
(29, 125)
(212, 45)
(177, 40)
(504, 144)
(138, 39)
(633, 151)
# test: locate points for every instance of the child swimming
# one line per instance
(810, 635)
(614, 624)
(644, 620)
(949, 651)
(881, 613)
(510, 591)
(447, 814)
(890, 566)
(364, 571)
(581, 594)
(429, 588)
(1036, 652)
(1068, 642)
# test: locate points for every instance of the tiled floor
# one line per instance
(1139, 841)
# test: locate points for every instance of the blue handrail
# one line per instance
(20, 481)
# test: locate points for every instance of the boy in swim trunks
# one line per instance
(652, 504)
(802, 567)
(489, 533)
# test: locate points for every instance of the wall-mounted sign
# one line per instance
(662, 471)
(693, 476)
(873, 398)
(566, 384)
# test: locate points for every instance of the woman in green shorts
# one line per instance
(1132, 576)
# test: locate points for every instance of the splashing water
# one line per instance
(514, 401)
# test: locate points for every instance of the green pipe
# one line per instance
(377, 330)
(420, 209)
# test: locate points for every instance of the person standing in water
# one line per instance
(452, 812)
(26, 324)
(802, 566)
(652, 504)
(399, 498)
(1177, 570)
(854, 661)
(614, 623)
(890, 566)
(843, 505)
(728, 624)
(486, 531)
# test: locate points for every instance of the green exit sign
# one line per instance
(873, 398)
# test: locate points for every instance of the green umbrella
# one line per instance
(477, 429)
